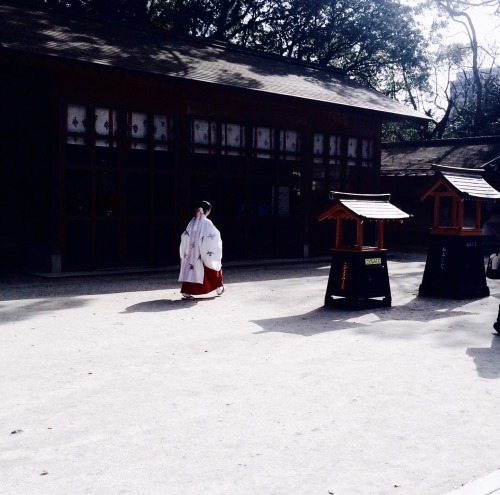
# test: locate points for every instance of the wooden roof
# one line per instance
(362, 206)
(415, 158)
(466, 183)
(34, 30)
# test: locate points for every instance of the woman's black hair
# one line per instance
(205, 206)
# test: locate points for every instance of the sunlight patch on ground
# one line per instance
(364, 319)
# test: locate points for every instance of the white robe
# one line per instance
(201, 245)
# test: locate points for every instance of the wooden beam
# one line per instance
(432, 190)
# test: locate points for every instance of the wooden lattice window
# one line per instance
(232, 139)
(162, 132)
(263, 142)
(203, 136)
(76, 124)
(106, 127)
(327, 169)
(137, 130)
(367, 152)
(289, 147)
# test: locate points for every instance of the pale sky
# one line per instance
(487, 25)
(485, 22)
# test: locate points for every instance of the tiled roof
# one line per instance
(56, 34)
(363, 206)
(416, 158)
(468, 182)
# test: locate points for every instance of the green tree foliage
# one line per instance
(472, 98)
(377, 43)
(463, 96)
(458, 11)
(463, 118)
(437, 100)
(132, 11)
(371, 41)
(226, 20)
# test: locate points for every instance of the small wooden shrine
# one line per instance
(455, 260)
(358, 273)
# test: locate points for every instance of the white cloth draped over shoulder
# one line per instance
(201, 245)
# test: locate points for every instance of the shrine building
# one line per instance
(110, 134)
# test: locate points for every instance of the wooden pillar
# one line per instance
(460, 215)
(359, 234)
(456, 212)
(381, 234)
(478, 215)
(436, 211)
(338, 233)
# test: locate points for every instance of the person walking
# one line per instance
(201, 255)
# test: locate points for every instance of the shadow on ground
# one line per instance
(487, 359)
(330, 319)
(18, 286)
(165, 305)
(27, 310)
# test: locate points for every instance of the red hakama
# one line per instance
(212, 280)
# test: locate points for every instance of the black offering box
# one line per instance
(358, 273)
(455, 260)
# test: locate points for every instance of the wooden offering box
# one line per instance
(358, 273)
(455, 260)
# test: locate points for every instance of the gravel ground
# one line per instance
(112, 384)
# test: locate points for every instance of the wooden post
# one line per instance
(338, 233)
(436, 211)
(478, 215)
(460, 215)
(455, 212)
(381, 234)
(359, 235)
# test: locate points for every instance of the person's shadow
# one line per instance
(487, 360)
(164, 305)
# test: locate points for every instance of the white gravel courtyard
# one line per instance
(113, 385)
